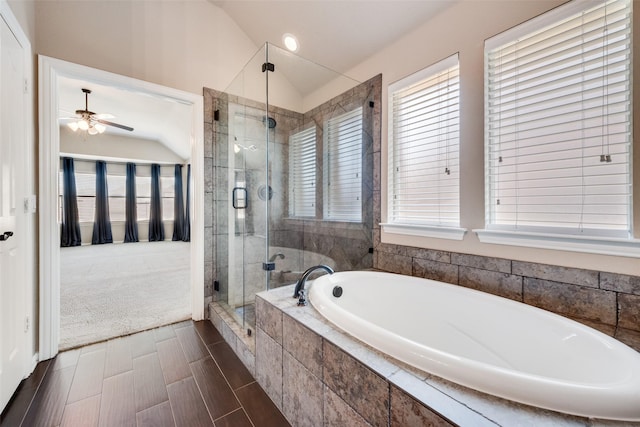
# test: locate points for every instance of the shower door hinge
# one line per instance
(268, 66)
(268, 266)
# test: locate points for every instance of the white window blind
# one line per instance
(343, 167)
(302, 173)
(424, 135)
(558, 122)
(117, 197)
(86, 196)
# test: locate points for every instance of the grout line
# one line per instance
(173, 416)
(227, 381)
(246, 385)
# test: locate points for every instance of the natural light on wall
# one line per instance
(558, 126)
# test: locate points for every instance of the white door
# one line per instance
(13, 286)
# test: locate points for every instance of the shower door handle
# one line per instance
(239, 197)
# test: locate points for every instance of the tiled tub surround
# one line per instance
(318, 375)
(605, 301)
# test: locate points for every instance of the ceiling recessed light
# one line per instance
(290, 42)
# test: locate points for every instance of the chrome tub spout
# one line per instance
(299, 291)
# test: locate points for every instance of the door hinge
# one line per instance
(26, 324)
(26, 86)
(268, 66)
(268, 266)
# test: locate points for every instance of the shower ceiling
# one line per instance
(336, 34)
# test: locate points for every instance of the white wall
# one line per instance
(184, 45)
(180, 44)
(108, 146)
(463, 28)
(25, 13)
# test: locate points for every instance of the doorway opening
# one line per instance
(168, 133)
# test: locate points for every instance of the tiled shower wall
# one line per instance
(349, 245)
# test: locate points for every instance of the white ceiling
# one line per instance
(337, 34)
(151, 117)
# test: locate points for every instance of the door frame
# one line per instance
(49, 69)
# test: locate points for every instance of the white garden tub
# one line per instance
(488, 343)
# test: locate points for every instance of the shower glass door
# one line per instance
(270, 215)
(245, 175)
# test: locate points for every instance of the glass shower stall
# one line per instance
(292, 176)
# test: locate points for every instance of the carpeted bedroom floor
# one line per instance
(118, 289)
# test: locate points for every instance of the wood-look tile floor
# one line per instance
(178, 375)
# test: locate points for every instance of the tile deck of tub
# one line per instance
(403, 385)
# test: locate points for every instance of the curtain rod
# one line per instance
(121, 161)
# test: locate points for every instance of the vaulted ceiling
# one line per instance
(337, 34)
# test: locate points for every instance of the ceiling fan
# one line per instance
(91, 122)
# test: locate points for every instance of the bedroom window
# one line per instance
(424, 140)
(116, 182)
(143, 193)
(302, 173)
(117, 197)
(342, 179)
(558, 123)
(168, 191)
(86, 192)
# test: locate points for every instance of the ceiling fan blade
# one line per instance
(104, 116)
(105, 122)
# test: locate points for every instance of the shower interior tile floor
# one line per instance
(178, 375)
(246, 313)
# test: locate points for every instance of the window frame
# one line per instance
(143, 177)
(417, 228)
(327, 165)
(296, 164)
(598, 242)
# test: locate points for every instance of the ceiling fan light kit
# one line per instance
(90, 122)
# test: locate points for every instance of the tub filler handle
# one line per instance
(299, 291)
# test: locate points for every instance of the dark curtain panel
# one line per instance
(178, 204)
(70, 222)
(186, 234)
(156, 228)
(101, 222)
(131, 212)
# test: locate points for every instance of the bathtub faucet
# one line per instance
(276, 256)
(299, 291)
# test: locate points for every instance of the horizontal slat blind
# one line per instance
(86, 192)
(302, 173)
(343, 167)
(424, 177)
(558, 124)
